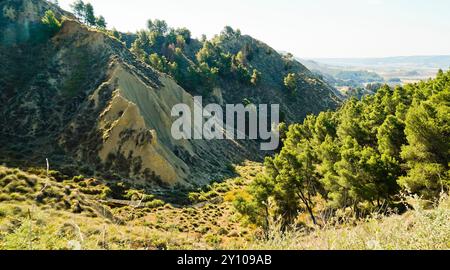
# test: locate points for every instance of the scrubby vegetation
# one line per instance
(40, 212)
(51, 23)
(52, 212)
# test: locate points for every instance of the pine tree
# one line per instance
(89, 15)
(428, 150)
(100, 22)
(78, 8)
(391, 136)
(363, 154)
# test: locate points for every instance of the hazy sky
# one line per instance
(306, 28)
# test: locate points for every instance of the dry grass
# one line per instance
(29, 224)
(28, 228)
(68, 215)
(418, 229)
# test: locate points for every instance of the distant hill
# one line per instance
(358, 72)
(347, 81)
(433, 61)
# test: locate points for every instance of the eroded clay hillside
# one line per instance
(80, 98)
(234, 68)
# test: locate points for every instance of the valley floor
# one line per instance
(40, 212)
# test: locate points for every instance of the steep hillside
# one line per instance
(312, 95)
(80, 98)
(233, 68)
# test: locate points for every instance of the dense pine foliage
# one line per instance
(193, 64)
(361, 157)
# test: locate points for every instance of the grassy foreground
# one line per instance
(418, 229)
(40, 212)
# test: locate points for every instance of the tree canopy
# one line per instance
(166, 49)
(362, 157)
(85, 12)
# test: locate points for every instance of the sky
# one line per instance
(305, 28)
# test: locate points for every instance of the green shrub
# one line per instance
(18, 186)
(148, 198)
(133, 195)
(51, 23)
(213, 239)
(155, 204)
(18, 197)
(106, 193)
(7, 179)
(78, 178)
(53, 192)
(58, 176)
(3, 213)
(195, 197)
(4, 197)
